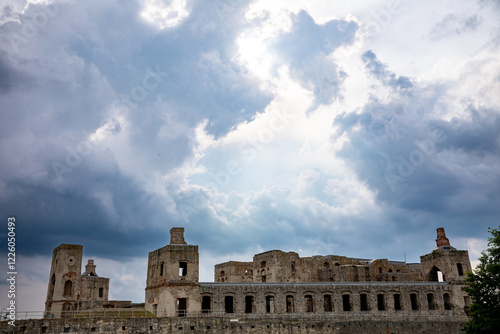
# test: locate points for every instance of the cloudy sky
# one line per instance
(322, 127)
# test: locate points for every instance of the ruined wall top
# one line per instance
(177, 236)
(441, 239)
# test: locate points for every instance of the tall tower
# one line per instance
(64, 280)
(172, 280)
(445, 263)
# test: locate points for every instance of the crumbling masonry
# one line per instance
(277, 292)
(277, 282)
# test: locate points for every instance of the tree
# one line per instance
(483, 287)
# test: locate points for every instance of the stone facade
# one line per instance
(70, 290)
(277, 292)
(284, 283)
(226, 325)
(278, 266)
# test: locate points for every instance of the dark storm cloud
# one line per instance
(54, 99)
(443, 172)
(306, 48)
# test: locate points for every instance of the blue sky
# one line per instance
(322, 127)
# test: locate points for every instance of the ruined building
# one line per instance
(276, 292)
(70, 290)
(277, 282)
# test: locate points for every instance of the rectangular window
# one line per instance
(269, 304)
(460, 269)
(431, 302)
(263, 278)
(397, 302)
(447, 301)
(161, 269)
(327, 301)
(309, 303)
(364, 302)
(206, 304)
(380, 302)
(183, 266)
(248, 304)
(346, 302)
(101, 292)
(228, 304)
(414, 301)
(181, 307)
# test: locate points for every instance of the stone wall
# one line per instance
(279, 266)
(226, 325)
(376, 298)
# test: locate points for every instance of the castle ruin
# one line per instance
(276, 292)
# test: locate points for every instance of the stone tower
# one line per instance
(172, 279)
(445, 263)
(69, 290)
(64, 280)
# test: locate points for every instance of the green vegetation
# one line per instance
(483, 287)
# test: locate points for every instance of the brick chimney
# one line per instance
(441, 239)
(90, 268)
(177, 236)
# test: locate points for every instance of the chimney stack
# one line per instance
(177, 236)
(441, 239)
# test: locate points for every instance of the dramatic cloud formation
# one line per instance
(319, 127)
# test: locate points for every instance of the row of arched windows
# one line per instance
(381, 302)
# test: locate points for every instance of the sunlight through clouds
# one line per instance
(164, 13)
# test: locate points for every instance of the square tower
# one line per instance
(445, 262)
(64, 280)
(172, 279)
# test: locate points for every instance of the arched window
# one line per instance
(68, 289)
(436, 275)
(414, 301)
(290, 304)
(364, 305)
(346, 302)
(381, 302)
(431, 303)
(263, 264)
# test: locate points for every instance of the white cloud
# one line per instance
(165, 13)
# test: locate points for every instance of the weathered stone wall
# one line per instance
(90, 288)
(446, 261)
(279, 266)
(233, 271)
(64, 278)
(284, 294)
(218, 325)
